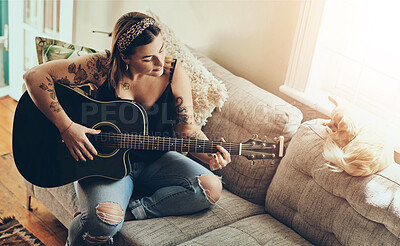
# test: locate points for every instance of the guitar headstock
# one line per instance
(255, 148)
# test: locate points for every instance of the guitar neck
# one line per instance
(146, 142)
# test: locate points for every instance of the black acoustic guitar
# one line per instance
(43, 159)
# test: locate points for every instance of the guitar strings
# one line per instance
(130, 139)
(207, 148)
(196, 144)
(148, 139)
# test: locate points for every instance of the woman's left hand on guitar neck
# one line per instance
(220, 159)
(216, 161)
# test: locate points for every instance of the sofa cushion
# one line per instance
(330, 208)
(249, 110)
(61, 201)
(171, 230)
(178, 229)
(255, 230)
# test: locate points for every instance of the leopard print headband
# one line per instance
(126, 38)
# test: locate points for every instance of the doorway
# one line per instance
(31, 18)
(4, 80)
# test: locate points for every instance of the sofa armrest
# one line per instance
(248, 110)
(329, 207)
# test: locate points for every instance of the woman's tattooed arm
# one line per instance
(88, 69)
(49, 87)
(185, 122)
(182, 116)
(92, 70)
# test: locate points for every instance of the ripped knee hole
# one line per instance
(110, 213)
(212, 186)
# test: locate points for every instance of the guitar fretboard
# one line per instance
(145, 142)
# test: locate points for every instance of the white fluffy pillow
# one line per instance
(208, 92)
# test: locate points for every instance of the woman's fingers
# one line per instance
(84, 150)
(225, 154)
(214, 163)
(79, 154)
(221, 158)
(87, 147)
(222, 163)
(71, 150)
(78, 143)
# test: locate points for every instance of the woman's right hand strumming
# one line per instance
(77, 142)
(77, 71)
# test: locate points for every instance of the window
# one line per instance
(355, 57)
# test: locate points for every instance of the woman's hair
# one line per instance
(116, 64)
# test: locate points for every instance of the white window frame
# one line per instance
(303, 52)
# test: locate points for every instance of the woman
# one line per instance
(135, 69)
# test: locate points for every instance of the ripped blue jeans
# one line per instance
(170, 186)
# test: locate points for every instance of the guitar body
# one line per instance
(43, 158)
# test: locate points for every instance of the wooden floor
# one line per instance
(40, 221)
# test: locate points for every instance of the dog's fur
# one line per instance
(353, 146)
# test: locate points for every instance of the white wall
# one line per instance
(252, 39)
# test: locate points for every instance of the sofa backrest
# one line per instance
(248, 110)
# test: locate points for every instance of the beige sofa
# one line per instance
(295, 202)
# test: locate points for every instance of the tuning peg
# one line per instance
(276, 139)
(252, 162)
(255, 136)
(265, 138)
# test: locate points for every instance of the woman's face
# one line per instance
(148, 59)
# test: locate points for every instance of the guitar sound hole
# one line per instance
(106, 143)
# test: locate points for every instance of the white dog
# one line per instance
(352, 146)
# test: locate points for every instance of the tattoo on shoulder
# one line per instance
(72, 68)
(98, 64)
(181, 112)
(196, 135)
(125, 86)
(80, 73)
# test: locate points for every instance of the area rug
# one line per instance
(13, 233)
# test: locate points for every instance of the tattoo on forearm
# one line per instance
(49, 87)
(55, 106)
(43, 87)
(181, 112)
